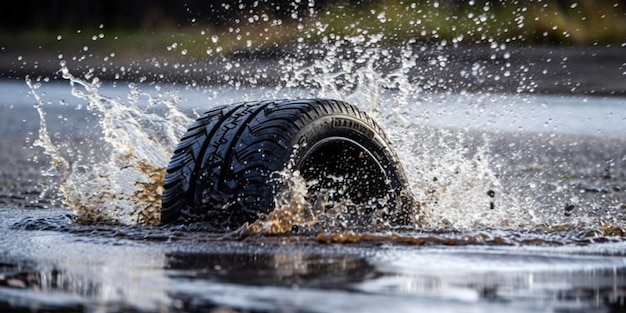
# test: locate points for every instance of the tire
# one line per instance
(223, 170)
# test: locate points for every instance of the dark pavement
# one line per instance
(510, 69)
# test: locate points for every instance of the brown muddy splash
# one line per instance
(541, 235)
(121, 183)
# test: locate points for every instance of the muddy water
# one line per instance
(524, 201)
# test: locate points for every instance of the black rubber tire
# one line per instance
(222, 170)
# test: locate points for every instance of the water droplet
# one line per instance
(381, 17)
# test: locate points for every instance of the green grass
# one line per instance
(391, 22)
(585, 23)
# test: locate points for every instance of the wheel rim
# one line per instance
(345, 169)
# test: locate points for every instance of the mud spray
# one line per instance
(119, 178)
(454, 178)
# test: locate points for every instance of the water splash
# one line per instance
(118, 180)
(453, 185)
(451, 176)
(292, 208)
(452, 172)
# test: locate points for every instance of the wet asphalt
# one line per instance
(542, 69)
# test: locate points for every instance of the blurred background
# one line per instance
(36, 35)
(150, 26)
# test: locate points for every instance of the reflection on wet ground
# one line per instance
(23, 285)
(290, 270)
(64, 267)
